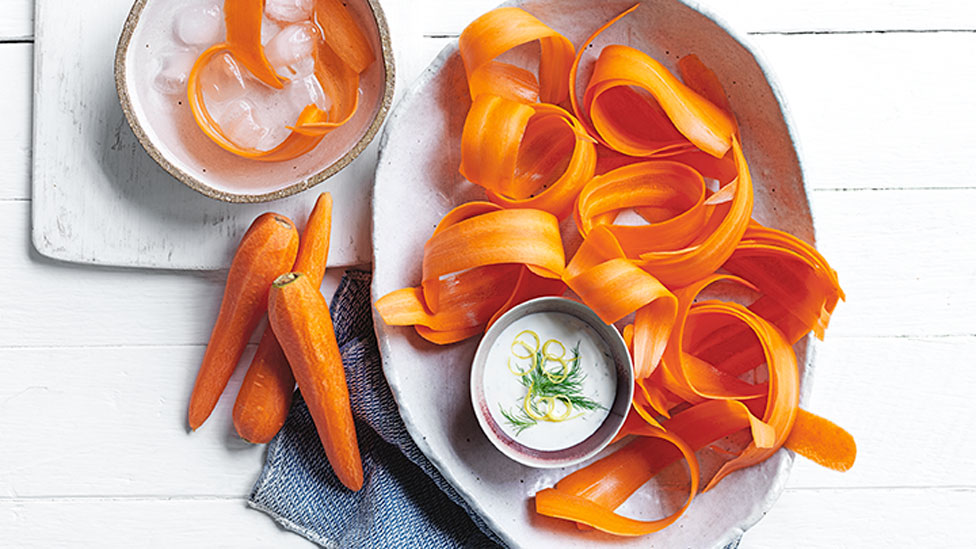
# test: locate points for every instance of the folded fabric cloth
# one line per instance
(404, 502)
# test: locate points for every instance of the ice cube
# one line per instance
(273, 138)
(307, 90)
(269, 28)
(174, 69)
(238, 122)
(278, 110)
(290, 51)
(257, 104)
(288, 11)
(199, 26)
(222, 80)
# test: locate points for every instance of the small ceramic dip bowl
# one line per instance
(160, 41)
(551, 384)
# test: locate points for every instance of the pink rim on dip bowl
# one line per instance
(614, 356)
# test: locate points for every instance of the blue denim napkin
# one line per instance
(404, 502)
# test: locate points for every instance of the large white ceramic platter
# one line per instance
(417, 182)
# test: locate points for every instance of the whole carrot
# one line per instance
(267, 249)
(300, 318)
(265, 395)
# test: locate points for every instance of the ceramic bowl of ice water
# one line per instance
(160, 42)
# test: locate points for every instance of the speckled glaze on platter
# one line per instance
(417, 182)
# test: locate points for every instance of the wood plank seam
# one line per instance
(447, 35)
(865, 31)
(885, 189)
(944, 487)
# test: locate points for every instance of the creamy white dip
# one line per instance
(505, 391)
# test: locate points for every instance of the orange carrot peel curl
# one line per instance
(822, 442)
(500, 30)
(481, 261)
(680, 120)
(526, 156)
(584, 496)
(701, 234)
(340, 56)
(610, 102)
(590, 495)
(243, 21)
(799, 291)
(615, 287)
(689, 236)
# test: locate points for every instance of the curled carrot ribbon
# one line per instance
(526, 156)
(611, 101)
(688, 236)
(500, 30)
(340, 55)
(614, 287)
(481, 261)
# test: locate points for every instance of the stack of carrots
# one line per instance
(640, 142)
(275, 273)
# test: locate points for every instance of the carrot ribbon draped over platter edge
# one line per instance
(481, 261)
(340, 57)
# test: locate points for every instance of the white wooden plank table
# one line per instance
(96, 364)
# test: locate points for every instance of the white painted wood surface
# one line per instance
(97, 363)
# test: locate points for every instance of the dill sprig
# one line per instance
(570, 388)
(519, 422)
(540, 382)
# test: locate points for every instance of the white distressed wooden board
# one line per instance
(98, 198)
(97, 363)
